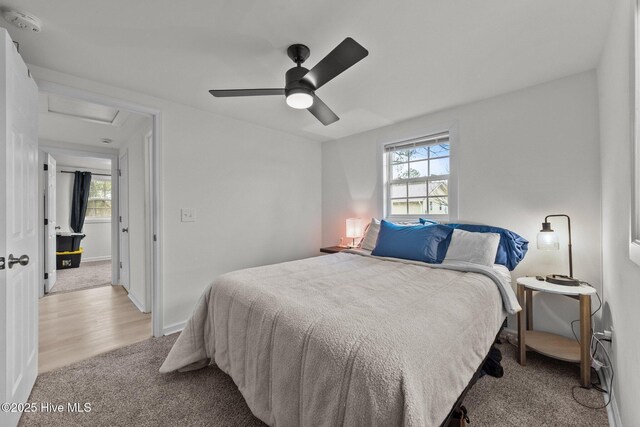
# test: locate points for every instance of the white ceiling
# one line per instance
(423, 55)
(57, 127)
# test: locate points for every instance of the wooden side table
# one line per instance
(333, 249)
(549, 344)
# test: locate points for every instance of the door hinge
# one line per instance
(119, 172)
(155, 238)
(120, 218)
(1, 263)
(46, 221)
(120, 264)
(46, 276)
(46, 167)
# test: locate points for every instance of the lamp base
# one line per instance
(559, 279)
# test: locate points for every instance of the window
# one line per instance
(99, 205)
(417, 174)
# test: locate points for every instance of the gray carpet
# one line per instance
(125, 389)
(88, 275)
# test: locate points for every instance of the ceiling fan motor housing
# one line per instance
(294, 82)
(298, 53)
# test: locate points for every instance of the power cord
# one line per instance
(594, 350)
(609, 390)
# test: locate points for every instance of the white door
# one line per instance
(123, 206)
(51, 223)
(19, 281)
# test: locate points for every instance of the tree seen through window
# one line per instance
(99, 205)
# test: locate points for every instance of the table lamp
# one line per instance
(548, 241)
(354, 230)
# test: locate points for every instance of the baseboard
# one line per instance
(95, 259)
(137, 302)
(612, 409)
(176, 327)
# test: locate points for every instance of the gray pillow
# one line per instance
(370, 238)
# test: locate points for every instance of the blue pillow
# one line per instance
(414, 242)
(511, 249)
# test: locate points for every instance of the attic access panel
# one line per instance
(84, 110)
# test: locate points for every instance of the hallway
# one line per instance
(81, 324)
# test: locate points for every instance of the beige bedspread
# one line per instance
(345, 339)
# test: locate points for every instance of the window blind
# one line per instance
(441, 138)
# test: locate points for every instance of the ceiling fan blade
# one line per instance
(323, 113)
(345, 55)
(245, 92)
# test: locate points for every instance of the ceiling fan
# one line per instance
(301, 83)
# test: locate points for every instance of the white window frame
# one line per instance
(634, 244)
(431, 139)
(100, 219)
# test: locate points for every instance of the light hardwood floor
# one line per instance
(81, 324)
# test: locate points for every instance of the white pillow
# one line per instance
(370, 238)
(475, 248)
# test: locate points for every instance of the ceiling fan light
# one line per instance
(299, 99)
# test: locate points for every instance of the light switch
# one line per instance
(188, 215)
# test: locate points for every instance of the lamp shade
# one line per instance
(354, 228)
(547, 238)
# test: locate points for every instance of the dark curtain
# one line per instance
(79, 199)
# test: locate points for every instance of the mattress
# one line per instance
(347, 338)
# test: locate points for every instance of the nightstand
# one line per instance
(333, 249)
(553, 345)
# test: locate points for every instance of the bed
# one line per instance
(349, 338)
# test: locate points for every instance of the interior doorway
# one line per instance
(77, 251)
(123, 221)
(94, 202)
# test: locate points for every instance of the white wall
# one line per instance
(97, 242)
(134, 148)
(256, 192)
(518, 157)
(621, 277)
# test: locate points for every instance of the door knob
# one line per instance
(125, 230)
(23, 260)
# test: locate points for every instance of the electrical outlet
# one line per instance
(188, 215)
